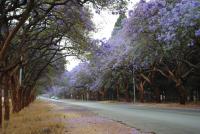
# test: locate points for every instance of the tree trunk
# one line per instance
(6, 99)
(26, 97)
(1, 106)
(14, 100)
(104, 94)
(32, 96)
(179, 85)
(157, 93)
(183, 95)
(127, 93)
(98, 96)
(19, 99)
(141, 89)
(23, 98)
(14, 89)
(117, 91)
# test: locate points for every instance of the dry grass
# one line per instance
(38, 118)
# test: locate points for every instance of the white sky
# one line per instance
(104, 23)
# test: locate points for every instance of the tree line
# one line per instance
(153, 55)
(35, 38)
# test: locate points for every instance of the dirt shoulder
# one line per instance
(188, 106)
(81, 121)
(51, 118)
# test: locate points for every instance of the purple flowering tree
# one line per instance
(157, 45)
(161, 32)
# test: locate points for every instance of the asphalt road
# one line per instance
(157, 120)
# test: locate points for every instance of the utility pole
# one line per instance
(133, 86)
(133, 80)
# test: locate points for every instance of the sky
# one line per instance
(104, 23)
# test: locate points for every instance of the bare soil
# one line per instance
(82, 121)
(165, 105)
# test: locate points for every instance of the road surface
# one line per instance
(157, 120)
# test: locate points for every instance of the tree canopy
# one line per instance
(157, 42)
(35, 38)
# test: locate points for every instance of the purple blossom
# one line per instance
(150, 24)
(130, 13)
(197, 33)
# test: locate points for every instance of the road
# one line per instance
(147, 119)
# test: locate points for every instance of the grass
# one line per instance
(38, 118)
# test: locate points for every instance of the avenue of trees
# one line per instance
(35, 38)
(153, 53)
(154, 50)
